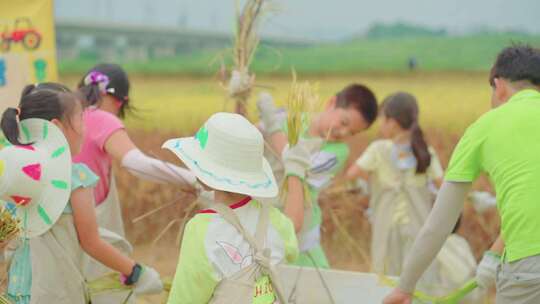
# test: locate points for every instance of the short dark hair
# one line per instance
(118, 86)
(361, 98)
(517, 62)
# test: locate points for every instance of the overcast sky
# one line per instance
(314, 19)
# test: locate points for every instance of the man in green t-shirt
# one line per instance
(505, 144)
(352, 110)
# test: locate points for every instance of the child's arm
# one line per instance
(278, 141)
(365, 164)
(122, 149)
(294, 202)
(84, 217)
(355, 172)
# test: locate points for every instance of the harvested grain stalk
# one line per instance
(245, 45)
(111, 283)
(302, 101)
(10, 225)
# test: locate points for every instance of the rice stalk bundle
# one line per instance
(111, 283)
(10, 225)
(245, 45)
(303, 100)
(107, 283)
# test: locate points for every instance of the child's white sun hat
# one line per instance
(227, 154)
(36, 177)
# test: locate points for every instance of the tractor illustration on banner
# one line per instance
(22, 32)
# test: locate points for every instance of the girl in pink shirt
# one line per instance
(106, 90)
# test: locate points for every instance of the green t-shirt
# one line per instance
(505, 144)
(212, 250)
(325, 165)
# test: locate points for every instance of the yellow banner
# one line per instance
(27, 47)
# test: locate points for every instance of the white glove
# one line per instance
(482, 201)
(271, 116)
(487, 270)
(297, 160)
(239, 83)
(149, 282)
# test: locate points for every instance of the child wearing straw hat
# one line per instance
(229, 251)
(53, 198)
(349, 112)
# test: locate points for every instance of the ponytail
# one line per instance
(420, 149)
(92, 86)
(11, 117)
(10, 125)
(90, 93)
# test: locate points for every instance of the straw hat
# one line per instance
(227, 154)
(37, 177)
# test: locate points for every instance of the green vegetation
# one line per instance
(381, 30)
(433, 53)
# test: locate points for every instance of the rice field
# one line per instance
(448, 101)
(176, 106)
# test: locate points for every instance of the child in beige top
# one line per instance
(401, 170)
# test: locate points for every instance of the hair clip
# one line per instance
(99, 79)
